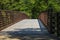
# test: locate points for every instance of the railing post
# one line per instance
(4, 17)
(1, 20)
(50, 18)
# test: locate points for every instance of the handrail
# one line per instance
(8, 17)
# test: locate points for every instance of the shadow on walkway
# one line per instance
(44, 30)
(28, 33)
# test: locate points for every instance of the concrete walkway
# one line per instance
(28, 27)
(25, 24)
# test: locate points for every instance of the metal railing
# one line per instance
(10, 17)
(54, 22)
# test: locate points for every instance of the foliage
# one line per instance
(55, 4)
(30, 7)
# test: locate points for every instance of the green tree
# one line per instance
(55, 4)
(31, 7)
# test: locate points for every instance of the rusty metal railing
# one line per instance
(10, 17)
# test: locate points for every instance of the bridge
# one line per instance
(13, 25)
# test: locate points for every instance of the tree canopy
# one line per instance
(30, 7)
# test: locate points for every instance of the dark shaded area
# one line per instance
(29, 32)
(44, 29)
(53, 21)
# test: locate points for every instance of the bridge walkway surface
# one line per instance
(28, 29)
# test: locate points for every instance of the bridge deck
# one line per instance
(28, 27)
